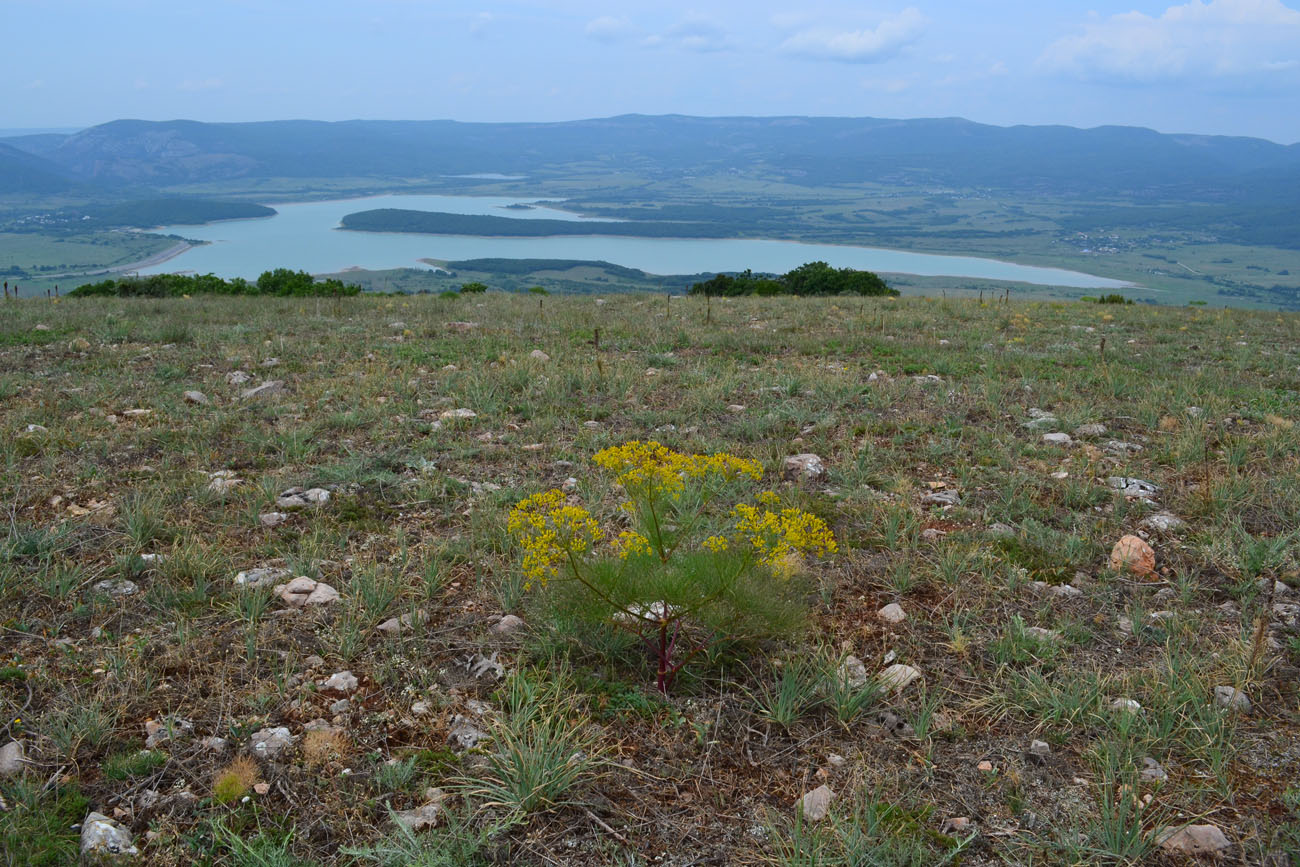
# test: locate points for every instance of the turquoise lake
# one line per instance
(305, 236)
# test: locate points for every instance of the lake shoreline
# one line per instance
(300, 237)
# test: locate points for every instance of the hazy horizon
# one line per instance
(1222, 67)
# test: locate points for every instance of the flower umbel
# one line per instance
(648, 469)
(551, 532)
(779, 537)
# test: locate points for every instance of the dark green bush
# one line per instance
(280, 282)
(814, 278)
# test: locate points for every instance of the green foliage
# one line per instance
(264, 850)
(147, 213)
(541, 751)
(813, 278)
(875, 831)
(137, 763)
(453, 844)
(36, 829)
(1114, 298)
(281, 282)
(473, 288)
(537, 290)
(793, 694)
(672, 580)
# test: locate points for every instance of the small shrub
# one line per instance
(473, 288)
(541, 749)
(235, 780)
(673, 580)
(323, 747)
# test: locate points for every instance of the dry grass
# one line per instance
(414, 529)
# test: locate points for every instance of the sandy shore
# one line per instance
(156, 259)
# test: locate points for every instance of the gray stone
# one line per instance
(852, 672)
(1133, 487)
(804, 467)
(117, 588)
(397, 625)
(270, 743)
(892, 613)
(303, 592)
(941, 498)
(1231, 698)
(13, 758)
(454, 414)
(1152, 772)
(1038, 633)
(1195, 840)
(223, 481)
(158, 732)
(238, 377)
(272, 519)
(1057, 439)
(106, 841)
(421, 818)
(1043, 423)
(1065, 592)
(1126, 705)
(463, 734)
(299, 498)
(270, 388)
(262, 576)
(1039, 750)
(214, 744)
(538, 355)
(897, 677)
(270, 362)
(1120, 448)
(1162, 522)
(340, 681)
(815, 805)
(1002, 531)
(508, 625)
(1091, 430)
(197, 397)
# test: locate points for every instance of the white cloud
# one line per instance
(869, 45)
(693, 33)
(1215, 39)
(607, 28)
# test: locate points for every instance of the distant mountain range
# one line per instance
(1137, 165)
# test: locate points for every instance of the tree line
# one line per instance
(281, 282)
(813, 278)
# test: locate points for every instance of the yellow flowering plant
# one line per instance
(678, 567)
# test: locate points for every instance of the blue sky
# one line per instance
(1205, 66)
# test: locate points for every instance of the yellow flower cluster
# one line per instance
(779, 537)
(631, 544)
(716, 544)
(648, 468)
(550, 532)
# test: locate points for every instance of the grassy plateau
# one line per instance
(1066, 711)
